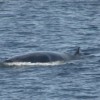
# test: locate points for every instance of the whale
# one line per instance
(45, 57)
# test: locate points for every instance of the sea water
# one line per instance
(50, 25)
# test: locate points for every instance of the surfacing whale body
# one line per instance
(44, 57)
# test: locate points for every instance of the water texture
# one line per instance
(50, 25)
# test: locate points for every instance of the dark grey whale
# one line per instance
(44, 57)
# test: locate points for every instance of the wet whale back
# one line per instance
(45, 56)
(56, 57)
(37, 57)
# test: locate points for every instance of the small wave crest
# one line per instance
(34, 64)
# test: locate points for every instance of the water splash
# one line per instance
(35, 64)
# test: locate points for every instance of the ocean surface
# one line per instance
(50, 25)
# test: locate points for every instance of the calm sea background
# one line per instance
(50, 25)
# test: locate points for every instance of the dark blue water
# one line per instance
(50, 25)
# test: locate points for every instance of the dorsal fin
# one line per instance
(77, 51)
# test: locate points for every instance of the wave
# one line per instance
(34, 64)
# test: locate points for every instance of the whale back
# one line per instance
(38, 57)
(44, 57)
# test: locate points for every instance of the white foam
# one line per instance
(34, 64)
